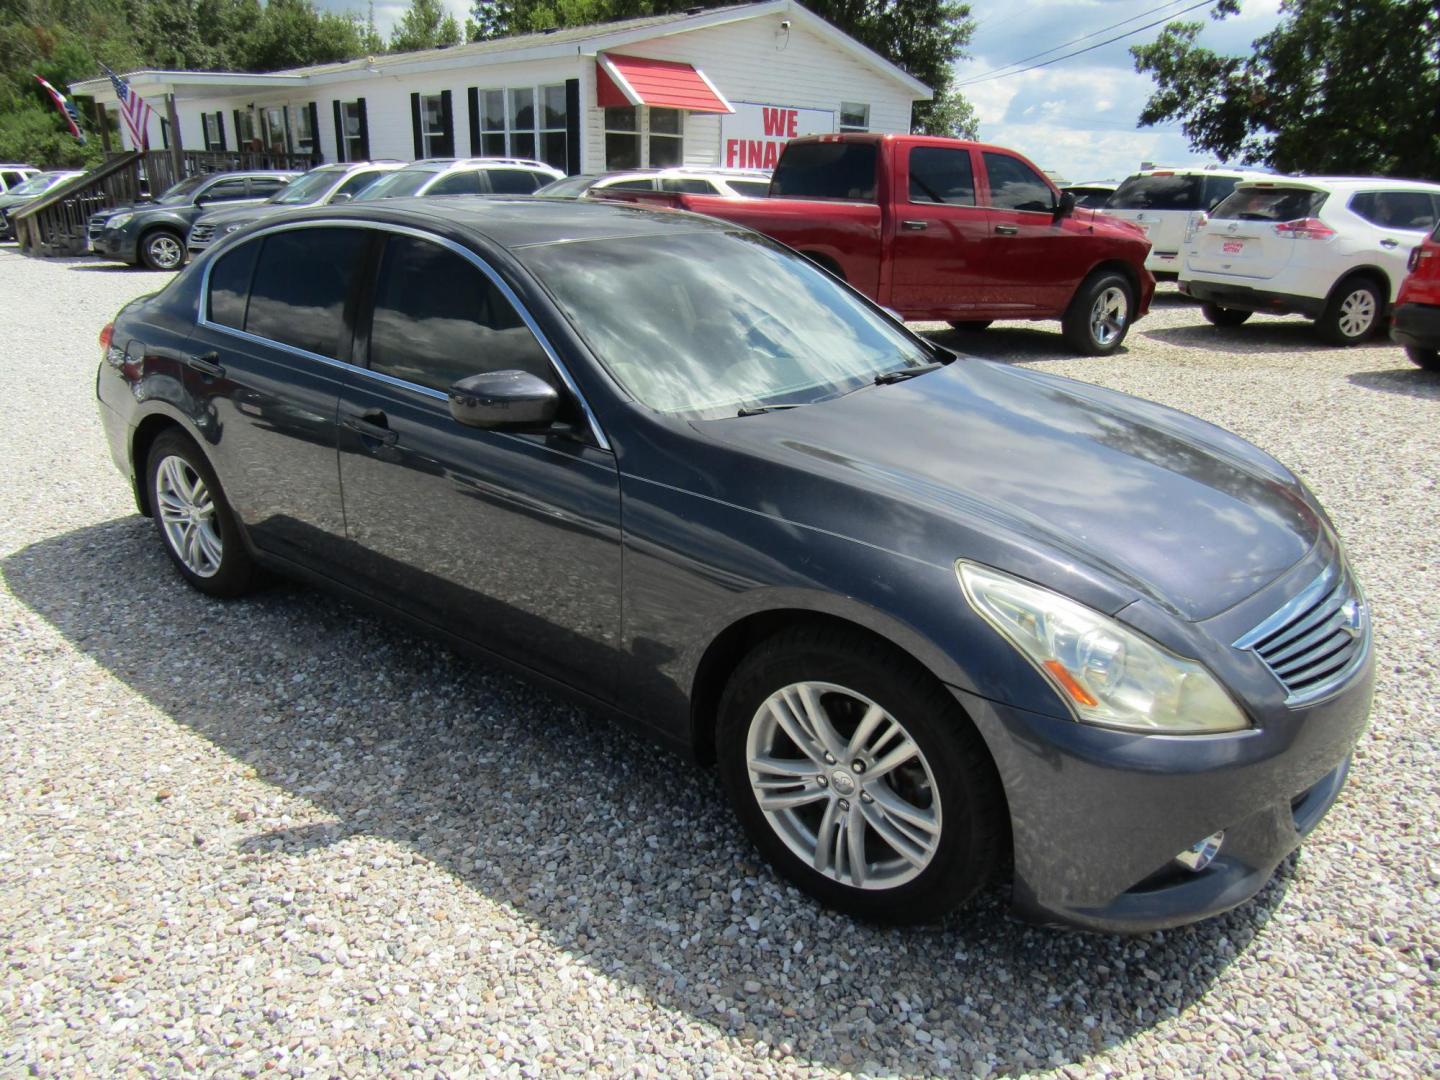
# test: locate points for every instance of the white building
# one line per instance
(723, 86)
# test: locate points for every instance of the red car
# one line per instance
(956, 231)
(1417, 307)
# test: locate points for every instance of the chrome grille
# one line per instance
(97, 225)
(202, 234)
(1314, 641)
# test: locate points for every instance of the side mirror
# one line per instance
(504, 401)
(341, 197)
(1066, 206)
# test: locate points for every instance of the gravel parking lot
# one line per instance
(281, 835)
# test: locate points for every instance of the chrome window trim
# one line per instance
(203, 317)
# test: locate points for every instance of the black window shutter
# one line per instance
(364, 129)
(315, 131)
(415, 126)
(572, 126)
(339, 132)
(447, 118)
(220, 127)
(239, 141)
(474, 95)
(165, 133)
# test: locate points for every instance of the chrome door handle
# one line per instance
(1008, 230)
(368, 427)
(1388, 243)
(914, 226)
(207, 365)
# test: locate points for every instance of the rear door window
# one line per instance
(513, 181)
(457, 183)
(1217, 189)
(230, 285)
(11, 178)
(355, 184)
(1016, 186)
(1159, 191)
(262, 187)
(439, 319)
(827, 170)
(1411, 210)
(941, 175)
(1269, 204)
(301, 283)
(224, 191)
(689, 186)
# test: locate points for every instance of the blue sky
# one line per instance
(1076, 117)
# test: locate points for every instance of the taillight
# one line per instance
(1305, 229)
(1414, 259)
(107, 335)
(1196, 222)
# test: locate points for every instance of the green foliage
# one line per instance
(924, 37)
(1339, 86)
(425, 25)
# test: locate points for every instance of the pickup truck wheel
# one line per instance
(972, 326)
(1099, 317)
(1429, 359)
(162, 249)
(1353, 312)
(1216, 315)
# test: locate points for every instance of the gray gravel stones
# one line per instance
(281, 837)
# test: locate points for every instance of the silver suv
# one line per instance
(463, 176)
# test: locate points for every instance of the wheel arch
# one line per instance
(1371, 271)
(1105, 266)
(149, 429)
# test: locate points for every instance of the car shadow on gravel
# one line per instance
(1410, 381)
(619, 854)
(1011, 343)
(1265, 335)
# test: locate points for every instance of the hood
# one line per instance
(1182, 511)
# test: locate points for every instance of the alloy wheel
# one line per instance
(166, 251)
(844, 785)
(1108, 315)
(187, 516)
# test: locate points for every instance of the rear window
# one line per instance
(835, 170)
(1154, 192)
(513, 181)
(1269, 204)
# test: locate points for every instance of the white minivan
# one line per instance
(1166, 203)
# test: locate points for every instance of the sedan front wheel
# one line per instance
(162, 250)
(859, 778)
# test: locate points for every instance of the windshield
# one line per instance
(1269, 204)
(395, 184)
(37, 184)
(572, 187)
(702, 324)
(308, 189)
(1158, 192)
(181, 192)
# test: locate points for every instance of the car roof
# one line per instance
(515, 222)
(1343, 183)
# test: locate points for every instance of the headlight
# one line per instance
(235, 225)
(119, 221)
(1109, 675)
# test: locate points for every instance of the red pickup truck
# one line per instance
(948, 230)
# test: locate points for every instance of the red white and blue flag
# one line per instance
(66, 107)
(133, 109)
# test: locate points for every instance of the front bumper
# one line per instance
(1416, 326)
(114, 244)
(1246, 298)
(1098, 816)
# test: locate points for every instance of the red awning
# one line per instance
(635, 80)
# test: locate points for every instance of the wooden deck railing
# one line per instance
(54, 224)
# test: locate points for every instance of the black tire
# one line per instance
(971, 326)
(1085, 331)
(234, 572)
(973, 821)
(1223, 316)
(1429, 359)
(1343, 321)
(162, 249)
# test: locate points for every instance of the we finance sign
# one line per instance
(753, 135)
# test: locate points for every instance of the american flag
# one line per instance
(67, 109)
(134, 109)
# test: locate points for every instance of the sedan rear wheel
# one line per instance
(858, 777)
(196, 524)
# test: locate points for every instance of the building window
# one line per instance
(854, 116)
(492, 123)
(305, 129)
(552, 127)
(622, 137)
(433, 140)
(214, 128)
(272, 121)
(667, 137)
(245, 130)
(523, 122)
(352, 121)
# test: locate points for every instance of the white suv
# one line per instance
(1165, 204)
(462, 176)
(731, 183)
(1331, 248)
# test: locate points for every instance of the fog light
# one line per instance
(1203, 853)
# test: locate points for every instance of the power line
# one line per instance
(1079, 52)
(1086, 37)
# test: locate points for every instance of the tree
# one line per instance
(1339, 86)
(425, 25)
(292, 33)
(924, 37)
